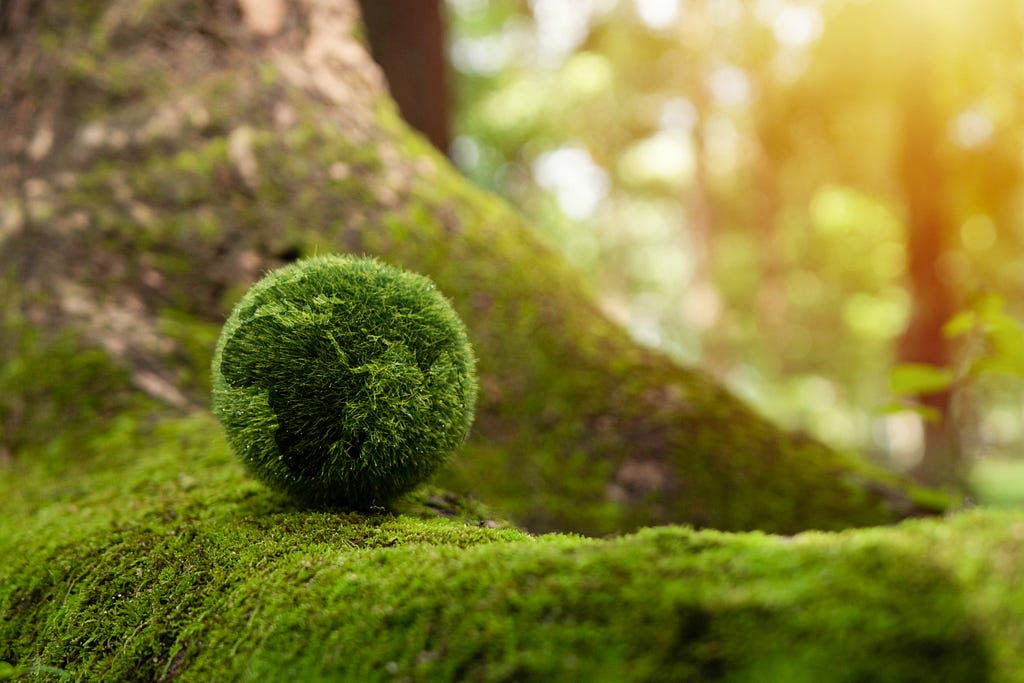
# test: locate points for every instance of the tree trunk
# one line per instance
(158, 157)
(407, 40)
(923, 179)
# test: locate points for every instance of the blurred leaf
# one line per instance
(927, 413)
(997, 365)
(1006, 337)
(914, 379)
(960, 324)
(894, 408)
(990, 308)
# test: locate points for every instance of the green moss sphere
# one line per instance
(343, 381)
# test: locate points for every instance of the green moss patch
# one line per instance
(344, 381)
(54, 386)
(156, 557)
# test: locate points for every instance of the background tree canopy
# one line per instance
(795, 195)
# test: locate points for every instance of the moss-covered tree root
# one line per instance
(161, 560)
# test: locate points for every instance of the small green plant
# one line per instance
(993, 342)
(344, 381)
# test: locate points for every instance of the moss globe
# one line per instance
(344, 381)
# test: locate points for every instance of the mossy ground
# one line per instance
(151, 555)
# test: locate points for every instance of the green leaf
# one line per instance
(1006, 338)
(990, 307)
(915, 379)
(927, 413)
(997, 365)
(960, 324)
(893, 408)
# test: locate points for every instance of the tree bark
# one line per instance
(929, 223)
(159, 157)
(407, 40)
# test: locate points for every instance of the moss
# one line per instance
(344, 381)
(55, 385)
(156, 557)
(193, 338)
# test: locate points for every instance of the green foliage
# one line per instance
(344, 381)
(919, 378)
(741, 153)
(994, 338)
(992, 344)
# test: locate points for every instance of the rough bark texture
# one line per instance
(159, 156)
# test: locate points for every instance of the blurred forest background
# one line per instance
(820, 202)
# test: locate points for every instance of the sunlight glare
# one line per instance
(678, 113)
(665, 157)
(797, 26)
(729, 85)
(578, 183)
(562, 25)
(972, 129)
(658, 14)
(902, 435)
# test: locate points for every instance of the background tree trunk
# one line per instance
(929, 223)
(159, 157)
(407, 40)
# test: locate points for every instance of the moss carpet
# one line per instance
(147, 553)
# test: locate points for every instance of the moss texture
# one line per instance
(157, 558)
(344, 381)
(169, 157)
